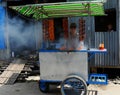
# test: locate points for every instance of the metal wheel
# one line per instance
(43, 86)
(74, 85)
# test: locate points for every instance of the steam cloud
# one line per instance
(23, 35)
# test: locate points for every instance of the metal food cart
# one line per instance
(56, 65)
(68, 68)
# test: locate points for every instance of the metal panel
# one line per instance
(111, 40)
(38, 34)
(3, 52)
(110, 4)
(58, 65)
(118, 25)
(2, 24)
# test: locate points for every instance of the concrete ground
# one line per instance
(31, 88)
(28, 88)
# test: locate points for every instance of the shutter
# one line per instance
(2, 27)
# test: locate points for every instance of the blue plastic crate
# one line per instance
(98, 79)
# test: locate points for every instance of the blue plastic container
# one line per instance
(98, 79)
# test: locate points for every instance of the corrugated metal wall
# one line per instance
(110, 39)
(111, 42)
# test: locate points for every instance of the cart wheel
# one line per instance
(74, 85)
(43, 86)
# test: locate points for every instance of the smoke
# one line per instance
(23, 34)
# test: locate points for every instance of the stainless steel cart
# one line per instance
(68, 68)
(62, 66)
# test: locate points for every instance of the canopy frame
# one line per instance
(62, 9)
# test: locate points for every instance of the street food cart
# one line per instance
(66, 67)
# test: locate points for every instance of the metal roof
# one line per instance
(64, 9)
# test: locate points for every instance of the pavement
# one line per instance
(27, 88)
(30, 87)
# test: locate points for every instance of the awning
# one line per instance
(64, 9)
